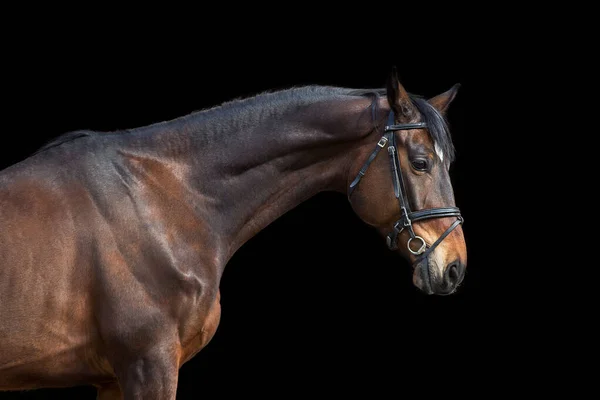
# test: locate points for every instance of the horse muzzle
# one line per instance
(431, 281)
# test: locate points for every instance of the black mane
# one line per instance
(437, 125)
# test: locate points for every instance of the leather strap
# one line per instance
(434, 213)
(385, 139)
(398, 180)
(416, 125)
(380, 145)
(437, 242)
(406, 216)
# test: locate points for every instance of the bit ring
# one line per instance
(421, 249)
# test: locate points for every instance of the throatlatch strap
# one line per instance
(380, 145)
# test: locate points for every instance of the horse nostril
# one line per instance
(453, 275)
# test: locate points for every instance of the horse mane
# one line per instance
(437, 124)
(244, 110)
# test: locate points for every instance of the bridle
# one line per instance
(407, 217)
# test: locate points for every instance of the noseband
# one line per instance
(407, 217)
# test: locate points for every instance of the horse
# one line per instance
(113, 244)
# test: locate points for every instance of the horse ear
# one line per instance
(398, 97)
(442, 101)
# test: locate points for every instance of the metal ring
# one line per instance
(421, 249)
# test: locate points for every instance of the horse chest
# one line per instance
(198, 328)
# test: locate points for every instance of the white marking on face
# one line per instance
(437, 261)
(437, 257)
(439, 152)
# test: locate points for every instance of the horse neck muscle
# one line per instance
(249, 175)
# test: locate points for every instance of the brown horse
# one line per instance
(113, 245)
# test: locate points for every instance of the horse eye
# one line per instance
(419, 165)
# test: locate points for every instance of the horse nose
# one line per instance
(453, 276)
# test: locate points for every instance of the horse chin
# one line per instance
(421, 276)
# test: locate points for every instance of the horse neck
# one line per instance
(255, 172)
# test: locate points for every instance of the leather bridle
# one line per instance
(407, 217)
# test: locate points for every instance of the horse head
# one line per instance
(407, 192)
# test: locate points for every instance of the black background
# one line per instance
(315, 303)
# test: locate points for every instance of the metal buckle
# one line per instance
(399, 228)
(421, 249)
(382, 142)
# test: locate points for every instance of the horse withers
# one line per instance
(113, 244)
